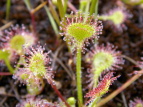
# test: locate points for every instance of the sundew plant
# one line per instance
(66, 53)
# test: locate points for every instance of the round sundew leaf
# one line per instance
(139, 105)
(4, 54)
(35, 88)
(17, 42)
(117, 17)
(103, 61)
(80, 31)
(37, 64)
(27, 105)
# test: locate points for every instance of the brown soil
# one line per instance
(129, 42)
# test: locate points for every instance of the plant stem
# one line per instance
(116, 92)
(96, 74)
(5, 73)
(78, 76)
(53, 12)
(27, 2)
(60, 8)
(65, 6)
(87, 6)
(53, 23)
(33, 22)
(39, 7)
(94, 7)
(93, 104)
(7, 62)
(130, 59)
(7, 25)
(72, 7)
(21, 60)
(8, 3)
(57, 92)
(87, 10)
(81, 6)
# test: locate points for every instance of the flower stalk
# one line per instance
(77, 30)
(10, 68)
(78, 77)
(58, 93)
